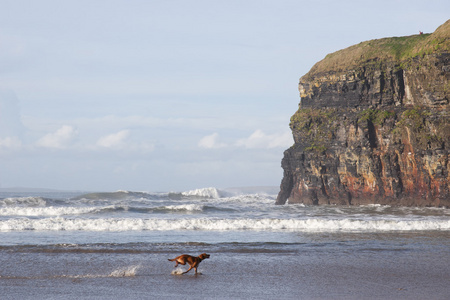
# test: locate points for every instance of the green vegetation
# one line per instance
(414, 118)
(316, 148)
(316, 127)
(304, 117)
(424, 129)
(396, 49)
(376, 116)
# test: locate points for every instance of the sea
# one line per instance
(116, 245)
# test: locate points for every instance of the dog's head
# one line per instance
(203, 256)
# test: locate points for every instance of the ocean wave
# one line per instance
(211, 193)
(183, 207)
(306, 225)
(65, 210)
(98, 210)
(118, 195)
(204, 193)
(23, 201)
(45, 211)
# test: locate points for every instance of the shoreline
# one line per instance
(376, 269)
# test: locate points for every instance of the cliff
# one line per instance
(373, 126)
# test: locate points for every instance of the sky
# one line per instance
(168, 95)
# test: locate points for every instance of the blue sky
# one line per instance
(168, 95)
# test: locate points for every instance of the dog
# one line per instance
(193, 261)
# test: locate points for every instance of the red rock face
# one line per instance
(377, 133)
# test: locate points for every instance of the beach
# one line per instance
(406, 268)
(67, 257)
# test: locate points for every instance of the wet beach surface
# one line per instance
(392, 269)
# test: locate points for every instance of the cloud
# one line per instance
(283, 140)
(259, 139)
(10, 143)
(113, 140)
(59, 139)
(211, 142)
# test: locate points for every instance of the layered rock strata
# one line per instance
(373, 126)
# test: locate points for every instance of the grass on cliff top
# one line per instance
(392, 49)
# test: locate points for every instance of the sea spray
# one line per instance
(205, 192)
(129, 271)
(177, 271)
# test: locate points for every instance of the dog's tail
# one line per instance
(173, 259)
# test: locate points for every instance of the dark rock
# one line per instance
(374, 130)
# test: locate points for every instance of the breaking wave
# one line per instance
(99, 210)
(23, 201)
(211, 193)
(119, 195)
(205, 192)
(215, 224)
(45, 211)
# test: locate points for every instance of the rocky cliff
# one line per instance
(373, 126)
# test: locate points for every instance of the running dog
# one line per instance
(193, 261)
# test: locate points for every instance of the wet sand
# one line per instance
(366, 274)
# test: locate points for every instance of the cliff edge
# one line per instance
(373, 126)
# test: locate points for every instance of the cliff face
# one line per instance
(373, 126)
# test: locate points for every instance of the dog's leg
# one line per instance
(190, 268)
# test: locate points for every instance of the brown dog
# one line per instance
(193, 261)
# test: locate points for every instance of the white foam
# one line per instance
(123, 191)
(255, 202)
(187, 207)
(204, 192)
(129, 271)
(215, 224)
(177, 271)
(23, 201)
(45, 211)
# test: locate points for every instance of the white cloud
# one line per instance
(113, 140)
(59, 139)
(283, 140)
(211, 142)
(10, 143)
(259, 139)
